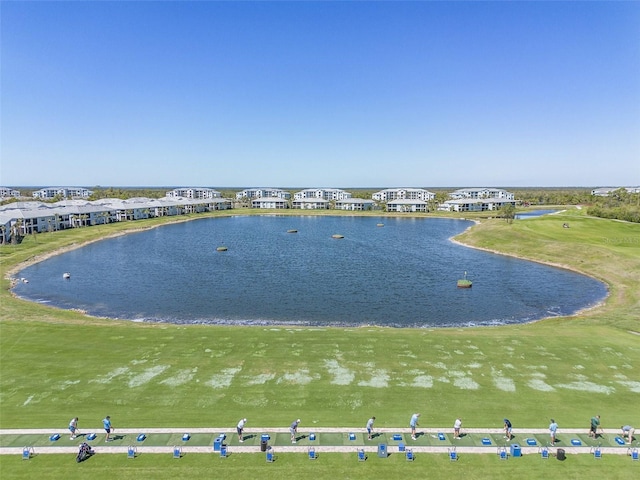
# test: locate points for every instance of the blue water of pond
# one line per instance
(533, 214)
(401, 274)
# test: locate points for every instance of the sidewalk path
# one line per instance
(293, 449)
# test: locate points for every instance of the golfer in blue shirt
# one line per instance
(107, 427)
(413, 423)
(293, 429)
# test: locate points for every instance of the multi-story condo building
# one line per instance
(6, 192)
(474, 204)
(405, 205)
(480, 193)
(64, 192)
(311, 203)
(24, 218)
(270, 202)
(263, 192)
(355, 204)
(403, 194)
(325, 193)
(194, 192)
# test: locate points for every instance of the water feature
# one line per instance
(401, 274)
(533, 214)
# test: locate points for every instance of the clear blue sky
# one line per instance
(333, 94)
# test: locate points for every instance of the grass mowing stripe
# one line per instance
(77, 377)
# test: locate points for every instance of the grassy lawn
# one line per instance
(606, 249)
(145, 375)
(329, 466)
(58, 364)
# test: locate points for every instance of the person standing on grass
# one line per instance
(370, 427)
(553, 428)
(508, 430)
(627, 431)
(73, 428)
(293, 429)
(240, 428)
(107, 427)
(595, 424)
(456, 428)
(413, 423)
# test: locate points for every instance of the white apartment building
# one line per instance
(311, 204)
(480, 193)
(474, 204)
(404, 205)
(25, 218)
(403, 194)
(262, 193)
(6, 192)
(325, 193)
(194, 192)
(64, 192)
(355, 204)
(270, 202)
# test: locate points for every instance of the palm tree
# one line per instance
(16, 236)
(104, 216)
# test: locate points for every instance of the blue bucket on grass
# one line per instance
(516, 451)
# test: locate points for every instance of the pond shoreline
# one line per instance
(13, 273)
(550, 264)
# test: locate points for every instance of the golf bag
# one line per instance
(84, 452)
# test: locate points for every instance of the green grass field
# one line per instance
(59, 364)
(329, 466)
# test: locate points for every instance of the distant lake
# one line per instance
(533, 214)
(401, 274)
